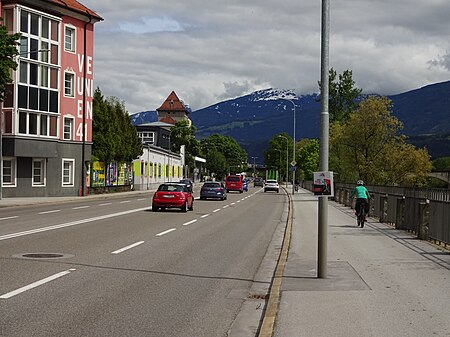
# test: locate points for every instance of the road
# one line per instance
(114, 268)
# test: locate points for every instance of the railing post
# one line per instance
(400, 220)
(424, 219)
(383, 208)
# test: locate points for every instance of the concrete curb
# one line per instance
(273, 303)
(257, 306)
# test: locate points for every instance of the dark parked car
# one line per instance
(213, 189)
(258, 182)
(173, 195)
(189, 184)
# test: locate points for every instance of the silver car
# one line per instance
(271, 185)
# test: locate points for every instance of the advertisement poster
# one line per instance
(323, 183)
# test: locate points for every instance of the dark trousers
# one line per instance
(362, 202)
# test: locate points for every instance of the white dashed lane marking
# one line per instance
(36, 284)
(189, 222)
(47, 212)
(167, 231)
(127, 247)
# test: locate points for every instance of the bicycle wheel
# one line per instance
(360, 218)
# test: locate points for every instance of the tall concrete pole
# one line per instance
(324, 140)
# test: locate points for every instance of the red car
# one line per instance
(173, 195)
(234, 182)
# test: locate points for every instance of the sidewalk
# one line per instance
(25, 201)
(381, 282)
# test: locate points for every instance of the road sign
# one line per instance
(293, 163)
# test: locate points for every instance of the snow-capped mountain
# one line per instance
(255, 118)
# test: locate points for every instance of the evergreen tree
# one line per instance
(114, 136)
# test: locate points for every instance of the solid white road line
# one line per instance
(36, 284)
(167, 231)
(10, 217)
(68, 224)
(80, 207)
(127, 247)
(47, 212)
(190, 222)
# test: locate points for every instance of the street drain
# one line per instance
(259, 297)
(43, 256)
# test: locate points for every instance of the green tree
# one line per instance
(217, 164)
(442, 163)
(343, 96)
(371, 147)
(184, 134)
(8, 53)
(234, 154)
(275, 155)
(308, 158)
(102, 129)
(114, 136)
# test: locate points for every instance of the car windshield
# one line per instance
(211, 185)
(171, 188)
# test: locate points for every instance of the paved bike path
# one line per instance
(381, 281)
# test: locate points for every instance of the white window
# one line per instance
(9, 171)
(68, 129)
(68, 172)
(69, 85)
(39, 176)
(69, 39)
(147, 137)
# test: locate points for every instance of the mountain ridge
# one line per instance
(253, 119)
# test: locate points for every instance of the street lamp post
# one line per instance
(293, 160)
(287, 156)
(254, 166)
(279, 161)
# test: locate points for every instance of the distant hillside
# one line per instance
(255, 118)
(144, 117)
(425, 110)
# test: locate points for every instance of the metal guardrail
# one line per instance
(425, 212)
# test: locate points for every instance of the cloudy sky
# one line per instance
(208, 51)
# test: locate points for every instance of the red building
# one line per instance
(47, 113)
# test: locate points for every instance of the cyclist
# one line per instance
(362, 197)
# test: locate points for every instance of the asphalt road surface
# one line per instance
(112, 267)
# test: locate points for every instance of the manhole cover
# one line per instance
(43, 256)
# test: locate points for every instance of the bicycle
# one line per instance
(361, 215)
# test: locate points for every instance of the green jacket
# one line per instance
(361, 192)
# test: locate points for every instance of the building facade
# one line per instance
(156, 166)
(47, 113)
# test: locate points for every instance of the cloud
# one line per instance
(214, 50)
